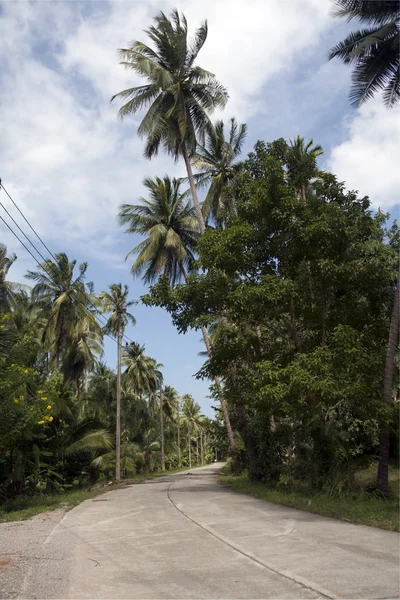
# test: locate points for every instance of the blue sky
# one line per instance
(69, 162)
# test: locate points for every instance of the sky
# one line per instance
(69, 162)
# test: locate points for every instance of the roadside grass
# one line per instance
(357, 507)
(25, 507)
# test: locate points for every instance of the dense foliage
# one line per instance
(58, 399)
(297, 289)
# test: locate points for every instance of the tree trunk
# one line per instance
(162, 430)
(383, 466)
(197, 447)
(179, 440)
(248, 441)
(201, 447)
(196, 203)
(190, 450)
(118, 419)
(224, 408)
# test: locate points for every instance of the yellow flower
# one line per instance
(46, 418)
(40, 422)
(15, 400)
(26, 371)
(5, 317)
(40, 392)
(49, 407)
(50, 419)
(44, 398)
(12, 365)
(22, 398)
(1, 326)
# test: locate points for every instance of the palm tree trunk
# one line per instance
(224, 408)
(196, 203)
(190, 450)
(179, 440)
(383, 466)
(197, 447)
(118, 420)
(162, 430)
(201, 447)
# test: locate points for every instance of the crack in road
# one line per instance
(221, 539)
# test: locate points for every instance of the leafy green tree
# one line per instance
(180, 95)
(217, 164)
(117, 304)
(373, 50)
(305, 363)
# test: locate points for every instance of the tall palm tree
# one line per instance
(81, 354)
(217, 164)
(373, 50)
(171, 232)
(6, 287)
(180, 95)
(170, 227)
(116, 303)
(191, 411)
(61, 296)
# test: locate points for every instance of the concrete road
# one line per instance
(186, 537)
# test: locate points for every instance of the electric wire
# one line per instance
(98, 315)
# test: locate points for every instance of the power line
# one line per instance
(104, 321)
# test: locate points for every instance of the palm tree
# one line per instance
(301, 162)
(171, 233)
(144, 375)
(373, 50)
(179, 94)
(6, 287)
(81, 354)
(170, 226)
(216, 161)
(191, 411)
(61, 295)
(116, 302)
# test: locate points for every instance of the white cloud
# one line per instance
(368, 159)
(67, 159)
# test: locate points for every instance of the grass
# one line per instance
(359, 507)
(25, 507)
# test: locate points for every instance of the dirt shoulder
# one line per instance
(21, 547)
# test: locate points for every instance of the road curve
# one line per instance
(183, 536)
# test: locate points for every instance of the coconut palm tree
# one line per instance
(301, 162)
(81, 353)
(373, 50)
(116, 303)
(171, 232)
(61, 296)
(7, 288)
(170, 227)
(191, 412)
(217, 164)
(180, 95)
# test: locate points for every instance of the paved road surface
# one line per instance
(186, 537)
